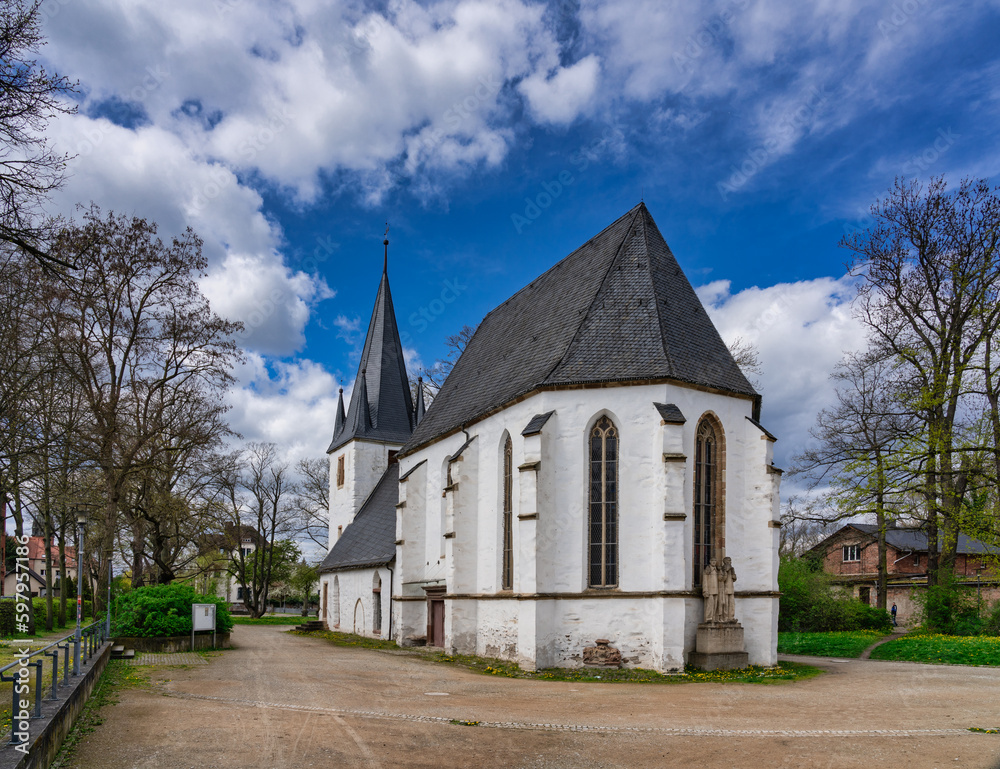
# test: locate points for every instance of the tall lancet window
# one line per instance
(507, 582)
(707, 473)
(603, 504)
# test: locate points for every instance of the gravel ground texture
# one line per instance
(278, 700)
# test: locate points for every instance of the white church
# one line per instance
(593, 449)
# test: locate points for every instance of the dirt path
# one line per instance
(867, 653)
(286, 701)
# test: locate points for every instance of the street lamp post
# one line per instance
(107, 608)
(81, 520)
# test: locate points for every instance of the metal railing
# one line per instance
(91, 638)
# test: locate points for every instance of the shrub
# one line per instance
(7, 609)
(163, 610)
(38, 609)
(950, 607)
(810, 603)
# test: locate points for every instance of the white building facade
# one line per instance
(593, 449)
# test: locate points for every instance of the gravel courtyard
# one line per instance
(285, 701)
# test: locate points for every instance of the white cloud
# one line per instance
(293, 405)
(801, 330)
(562, 96)
(150, 172)
(294, 88)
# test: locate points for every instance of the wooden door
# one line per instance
(322, 603)
(436, 624)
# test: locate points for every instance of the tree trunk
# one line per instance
(881, 522)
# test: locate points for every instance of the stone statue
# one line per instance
(727, 599)
(710, 589)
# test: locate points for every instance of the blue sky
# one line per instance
(495, 137)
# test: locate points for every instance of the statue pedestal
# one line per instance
(719, 646)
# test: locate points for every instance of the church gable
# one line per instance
(617, 309)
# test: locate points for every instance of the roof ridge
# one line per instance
(561, 261)
(656, 305)
(600, 285)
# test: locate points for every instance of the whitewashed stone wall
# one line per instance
(454, 536)
(364, 463)
(357, 601)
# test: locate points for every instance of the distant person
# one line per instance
(892, 611)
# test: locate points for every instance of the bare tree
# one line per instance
(29, 97)
(860, 450)
(747, 357)
(312, 502)
(138, 339)
(928, 267)
(435, 375)
(253, 490)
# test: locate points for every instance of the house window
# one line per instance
(706, 490)
(916, 559)
(852, 553)
(507, 582)
(604, 504)
(239, 594)
(340, 471)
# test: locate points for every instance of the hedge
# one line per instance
(163, 610)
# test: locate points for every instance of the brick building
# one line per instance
(851, 554)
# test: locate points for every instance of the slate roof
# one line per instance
(670, 413)
(381, 407)
(619, 308)
(536, 423)
(915, 540)
(370, 540)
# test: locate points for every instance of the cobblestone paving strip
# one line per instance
(179, 658)
(665, 730)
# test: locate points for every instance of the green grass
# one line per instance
(117, 676)
(286, 619)
(839, 644)
(942, 649)
(785, 671)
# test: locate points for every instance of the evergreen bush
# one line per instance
(163, 610)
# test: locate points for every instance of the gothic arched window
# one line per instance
(507, 581)
(603, 534)
(707, 474)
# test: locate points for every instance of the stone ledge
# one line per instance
(48, 732)
(176, 643)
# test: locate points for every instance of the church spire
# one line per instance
(338, 426)
(420, 399)
(381, 407)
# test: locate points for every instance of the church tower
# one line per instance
(379, 420)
